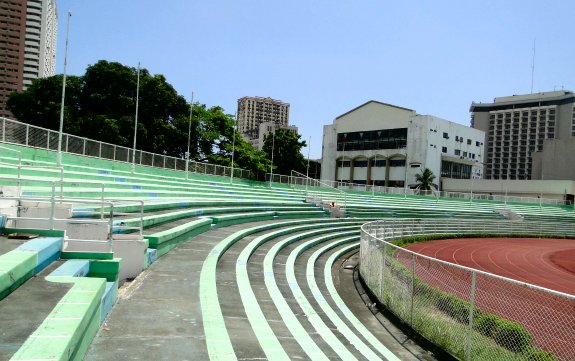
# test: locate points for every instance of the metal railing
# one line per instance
(83, 210)
(300, 179)
(474, 315)
(15, 132)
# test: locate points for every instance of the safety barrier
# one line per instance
(472, 314)
(12, 131)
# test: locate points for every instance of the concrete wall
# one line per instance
(553, 189)
(554, 162)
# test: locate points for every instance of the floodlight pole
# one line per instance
(233, 149)
(136, 120)
(189, 134)
(373, 177)
(59, 154)
(307, 169)
(272, 163)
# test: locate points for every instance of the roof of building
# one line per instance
(525, 100)
(264, 99)
(374, 101)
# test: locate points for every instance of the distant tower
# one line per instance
(259, 116)
(29, 43)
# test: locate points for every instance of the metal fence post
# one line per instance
(412, 289)
(53, 205)
(471, 309)
(382, 277)
(102, 201)
(111, 225)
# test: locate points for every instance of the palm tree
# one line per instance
(424, 181)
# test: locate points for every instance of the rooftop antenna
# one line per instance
(533, 66)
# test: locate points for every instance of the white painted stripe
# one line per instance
(64, 318)
(52, 336)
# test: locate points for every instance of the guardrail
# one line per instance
(301, 179)
(13, 151)
(473, 314)
(15, 132)
(82, 211)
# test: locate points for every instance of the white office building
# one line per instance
(386, 145)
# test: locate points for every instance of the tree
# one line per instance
(287, 154)
(101, 105)
(40, 104)
(424, 181)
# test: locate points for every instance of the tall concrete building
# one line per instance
(259, 116)
(387, 145)
(28, 30)
(528, 136)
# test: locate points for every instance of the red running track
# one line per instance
(548, 263)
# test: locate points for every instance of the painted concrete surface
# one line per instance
(158, 316)
(8, 244)
(25, 309)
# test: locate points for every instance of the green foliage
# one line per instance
(286, 146)
(512, 336)
(424, 181)
(536, 355)
(486, 324)
(40, 104)
(101, 105)
(455, 307)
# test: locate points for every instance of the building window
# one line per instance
(456, 138)
(457, 152)
(445, 135)
(469, 141)
(455, 170)
(378, 162)
(465, 154)
(397, 163)
(360, 164)
(344, 164)
(372, 140)
(443, 149)
(477, 143)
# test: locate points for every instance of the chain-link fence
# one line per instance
(12, 131)
(472, 314)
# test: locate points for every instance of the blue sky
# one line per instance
(327, 57)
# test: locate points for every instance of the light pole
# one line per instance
(272, 164)
(233, 149)
(189, 134)
(59, 155)
(373, 176)
(307, 169)
(136, 120)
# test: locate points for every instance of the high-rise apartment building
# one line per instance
(28, 31)
(253, 111)
(528, 136)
